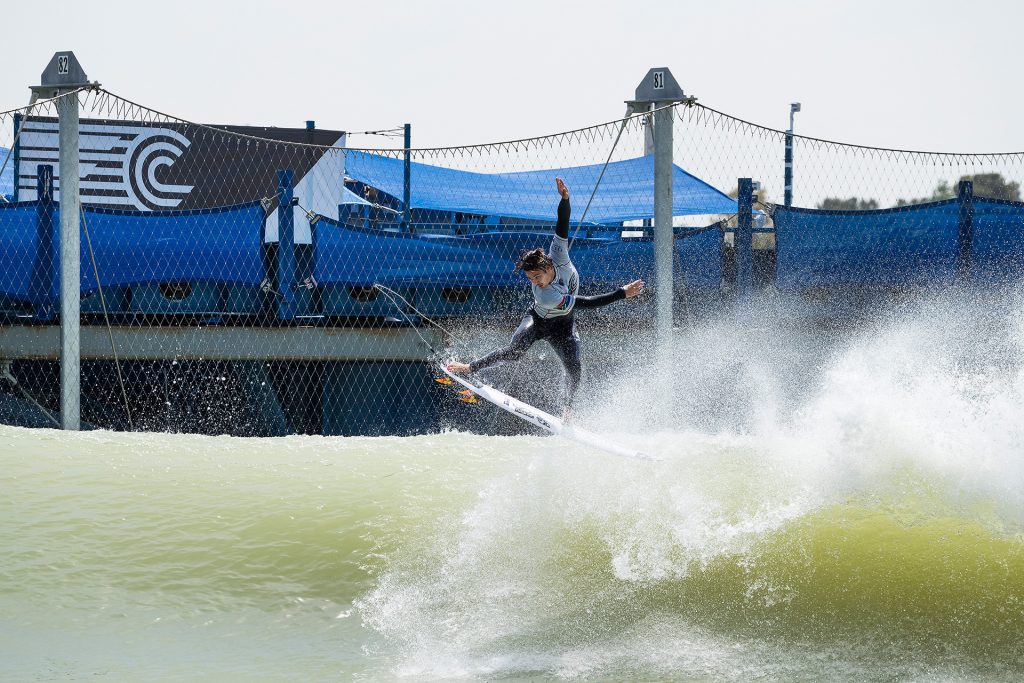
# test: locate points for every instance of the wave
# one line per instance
(840, 504)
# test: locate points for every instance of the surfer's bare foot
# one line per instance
(458, 368)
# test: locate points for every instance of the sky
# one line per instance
(936, 76)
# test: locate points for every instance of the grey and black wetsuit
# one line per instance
(551, 316)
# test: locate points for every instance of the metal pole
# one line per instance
(660, 90)
(70, 266)
(16, 155)
(788, 193)
(965, 232)
(40, 287)
(744, 238)
(663, 219)
(407, 184)
(286, 244)
(788, 200)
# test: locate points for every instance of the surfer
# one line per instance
(555, 284)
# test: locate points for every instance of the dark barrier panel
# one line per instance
(18, 246)
(914, 245)
(997, 253)
(208, 245)
(376, 399)
(141, 250)
(356, 258)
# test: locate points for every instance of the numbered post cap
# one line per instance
(659, 85)
(65, 70)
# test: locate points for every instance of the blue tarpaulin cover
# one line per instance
(352, 256)
(225, 246)
(626, 191)
(997, 247)
(7, 176)
(912, 245)
(132, 247)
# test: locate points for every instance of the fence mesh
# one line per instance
(266, 281)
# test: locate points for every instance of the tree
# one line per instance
(994, 186)
(851, 204)
(760, 194)
(991, 185)
(941, 191)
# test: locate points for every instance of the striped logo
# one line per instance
(119, 167)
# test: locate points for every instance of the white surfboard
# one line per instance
(545, 421)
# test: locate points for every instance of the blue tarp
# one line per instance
(208, 245)
(626, 191)
(133, 247)
(7, 177)
(225, 246)
(356, 257)
(997, 247)
(913, 245)
(18, 238)
(350, 197)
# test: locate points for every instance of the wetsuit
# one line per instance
(551, 316)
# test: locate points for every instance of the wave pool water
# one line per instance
(841, 506)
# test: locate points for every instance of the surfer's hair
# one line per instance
(534, 259)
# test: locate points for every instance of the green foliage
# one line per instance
(990, 185)
(941, 191)
(851, 204)
(994, 186)
(761, 195)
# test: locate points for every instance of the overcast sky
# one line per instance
(936, 75)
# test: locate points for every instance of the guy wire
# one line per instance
(599, 178)
(392, 295)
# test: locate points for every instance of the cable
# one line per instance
(392, 294)
(866, 148)
(386, 132)
(5, 373)
(14, 145)
(107, 95)
(599, 178)
(106, 318)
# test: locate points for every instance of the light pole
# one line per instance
(793, 109)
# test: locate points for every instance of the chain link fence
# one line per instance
(267, 281)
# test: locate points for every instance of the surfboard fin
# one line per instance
(467, 396)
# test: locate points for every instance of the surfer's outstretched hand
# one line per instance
(458, 368)
(634, 288)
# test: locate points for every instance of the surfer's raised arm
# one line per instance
(562, 227)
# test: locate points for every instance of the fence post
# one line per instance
(663, 219)
(407, 182)
(659, 90)
(788, 188)
(64, 76)
(70, 266)
(965, 232)
(41, 286)
(744, 238)
(16, 156)
(285, 245)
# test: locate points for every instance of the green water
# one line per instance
(158, 557)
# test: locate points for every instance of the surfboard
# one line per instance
(546, 421)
